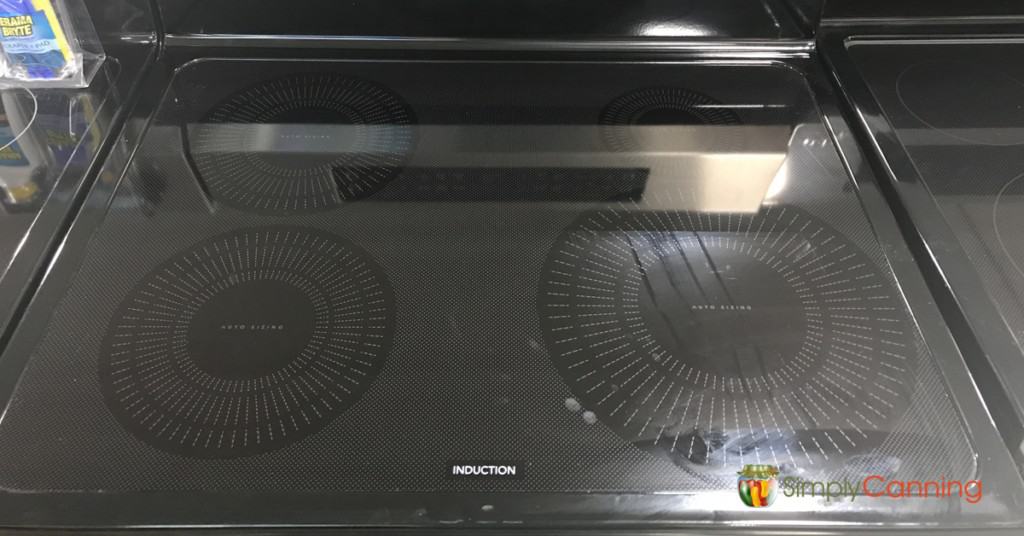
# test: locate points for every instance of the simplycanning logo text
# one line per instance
(759, 484)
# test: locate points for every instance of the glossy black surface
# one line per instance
(565, 19)
(548, 273)
(122, 20)
(949, 122)
(923, 10)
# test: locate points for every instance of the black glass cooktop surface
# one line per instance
(412, 281)
(956, 110)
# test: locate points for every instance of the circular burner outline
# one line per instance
(244, 181)
(159, 394)
(904, 101)
(832, 408)
(624, 109)
(996, 226)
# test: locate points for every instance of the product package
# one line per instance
(47, 43)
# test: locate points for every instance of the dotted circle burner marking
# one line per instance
(723, 339)
(302, 143)
(247, 342)
(659, 106)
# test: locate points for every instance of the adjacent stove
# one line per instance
(956, 144)
(336, 283)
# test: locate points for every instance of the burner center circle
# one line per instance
(306, 114)
(719, 310)
(296, 141)
(250, 330)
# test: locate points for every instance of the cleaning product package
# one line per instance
(47, 43)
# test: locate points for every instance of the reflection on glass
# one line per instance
(23, 152)
(39, 133)
(313, 141)
(282, 166)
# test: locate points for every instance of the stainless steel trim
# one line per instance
(732, 48)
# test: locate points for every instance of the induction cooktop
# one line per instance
(326, 281)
